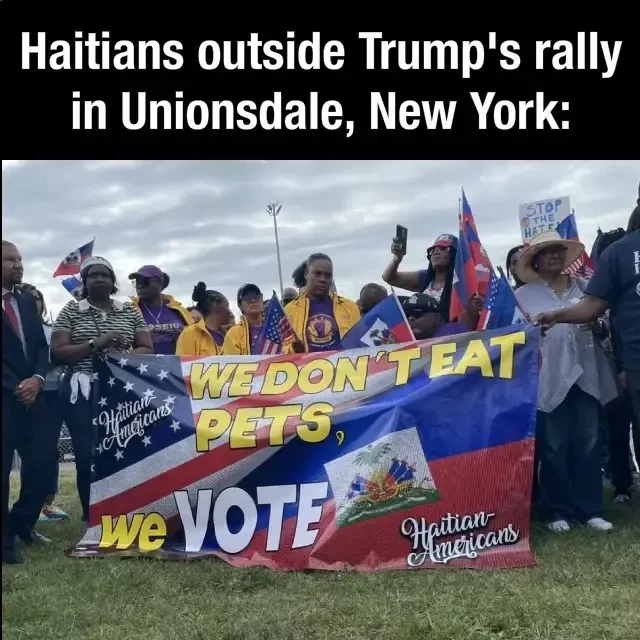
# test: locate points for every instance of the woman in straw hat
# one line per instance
(574, 380)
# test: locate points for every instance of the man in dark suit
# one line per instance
(25, 357)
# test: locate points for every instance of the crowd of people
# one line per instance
(589, 379)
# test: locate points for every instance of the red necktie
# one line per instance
(11, 314)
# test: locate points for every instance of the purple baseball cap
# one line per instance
(147, 271)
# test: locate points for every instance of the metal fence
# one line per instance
(65, 449)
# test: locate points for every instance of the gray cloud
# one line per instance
(206, 220)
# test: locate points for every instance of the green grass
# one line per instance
(585, 587)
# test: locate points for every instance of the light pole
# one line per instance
(273, 209)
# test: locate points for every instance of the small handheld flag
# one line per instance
(74, 286)
(473, 268)
(276, 330)
(70, 266)
(386, 323)
(500, 307)
(584, 266)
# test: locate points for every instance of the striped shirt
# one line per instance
(85, 322)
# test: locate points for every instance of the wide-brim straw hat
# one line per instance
(524, 269)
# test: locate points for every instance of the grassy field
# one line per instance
(586, 587)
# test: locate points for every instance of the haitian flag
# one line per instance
(74, 286)
(402, 456)
(70, 266)
(473, 268)
(386, 323)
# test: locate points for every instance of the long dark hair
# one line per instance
(445, 298)
(205, 298)
(299, 275)
(25, 287)
(510, 273)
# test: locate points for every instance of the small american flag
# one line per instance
(276, 330)
(581, 268)
(500, 307)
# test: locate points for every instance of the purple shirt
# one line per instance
(218, 336)
(450, 329)
(253, 334)
(322, 328)
(165, 326)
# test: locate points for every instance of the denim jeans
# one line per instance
(52, 401)
(570, 472)
(79, 420)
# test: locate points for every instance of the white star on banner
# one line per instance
(99, 448)
(119, 455)
(111, 382)
(175, 425)
(123, 362)
(93, 468)
(95, 377)
(119, 406)
(128, 386)
(146, 440)
(103, 402)
(163, 374)
(143, 368)
(148, 394)
(170, 400)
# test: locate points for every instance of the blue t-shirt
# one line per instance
(322, 328)
(617, 280)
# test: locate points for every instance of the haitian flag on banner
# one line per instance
(395, 457)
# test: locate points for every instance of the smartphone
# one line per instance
(401, 237)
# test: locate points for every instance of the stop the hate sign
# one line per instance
(542, 215)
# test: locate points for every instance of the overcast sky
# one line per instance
(206, 220)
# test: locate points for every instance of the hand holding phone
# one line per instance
(399, 244)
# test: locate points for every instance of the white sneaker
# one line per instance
(599, 524)
(559, 526)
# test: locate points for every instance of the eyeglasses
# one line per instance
(553, 250)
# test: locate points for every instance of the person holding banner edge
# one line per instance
(615, 286)
(574, 379)
(96, 324)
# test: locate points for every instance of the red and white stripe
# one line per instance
(148, 485)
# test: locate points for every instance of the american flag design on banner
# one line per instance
(319, 461)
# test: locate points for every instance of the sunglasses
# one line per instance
(418, 312)
(438, 249)
(143, 281)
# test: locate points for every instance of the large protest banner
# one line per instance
(389, 457)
